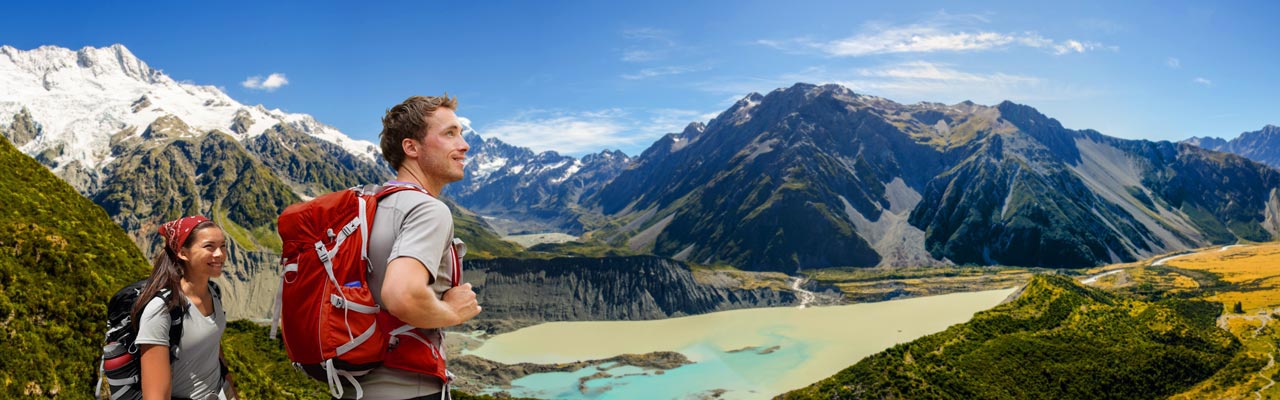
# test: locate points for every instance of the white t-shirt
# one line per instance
(197, 373)
(408, 224)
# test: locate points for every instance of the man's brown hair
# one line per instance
(408, 120)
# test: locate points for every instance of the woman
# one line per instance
(194, 250)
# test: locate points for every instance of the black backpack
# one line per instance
(120, 364)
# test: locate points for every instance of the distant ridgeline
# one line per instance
(1058, 340)
(61, 259)
(1261, 145)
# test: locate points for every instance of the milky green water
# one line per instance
(811, 344)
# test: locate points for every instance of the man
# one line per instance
(411, 247)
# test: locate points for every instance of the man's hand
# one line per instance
(407, 294)
(462, 300)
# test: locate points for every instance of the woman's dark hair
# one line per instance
(166, 273)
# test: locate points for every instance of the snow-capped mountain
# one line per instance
(520, 191)
(81, 99)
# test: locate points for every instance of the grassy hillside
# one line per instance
(61, 258)
(1058, 340)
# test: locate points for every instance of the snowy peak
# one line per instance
(115, 60)
(80, 99)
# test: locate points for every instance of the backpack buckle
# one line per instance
(322, 252)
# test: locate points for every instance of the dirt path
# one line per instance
(1092, 279)
(1271, 362)
(1166, 259)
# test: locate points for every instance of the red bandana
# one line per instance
(175, 232)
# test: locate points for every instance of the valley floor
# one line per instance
(1242, 277)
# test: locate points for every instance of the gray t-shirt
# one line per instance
(197, 373)
(408, 224)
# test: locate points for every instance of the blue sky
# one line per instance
(579, 77)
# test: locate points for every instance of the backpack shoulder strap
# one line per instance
(216, 290)
(393, 189)
(175, 325)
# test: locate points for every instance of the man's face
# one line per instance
(443, 149)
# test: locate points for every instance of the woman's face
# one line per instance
(206, 254)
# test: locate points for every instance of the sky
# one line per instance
(582, 77)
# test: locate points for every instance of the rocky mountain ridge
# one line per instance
(520, 192)
(817, 176)
(1262, 145)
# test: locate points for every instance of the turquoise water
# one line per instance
(740, 354)
(743, 375)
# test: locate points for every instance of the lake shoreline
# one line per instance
(811, 344)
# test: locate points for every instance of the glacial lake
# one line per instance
(746, 354)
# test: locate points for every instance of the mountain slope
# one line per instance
(819, 176)
(771, 184)
(61, 258)
(1262, 145)
(312, 167)
(1057, 340)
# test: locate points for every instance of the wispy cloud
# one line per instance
(270, 84)
(563, 132)
(1101, 25)
(661, 71)
(590, 131)
(930, 37)
(1202, 81)
(649, 33)
(636, 55)
(648, 44)
(1173, 62)
(927, 71)
(915, 81)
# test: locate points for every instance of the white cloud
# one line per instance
(1202, 81)
(914, 39)
(564, 132)
(270, 84)
(1073, 46)
(660, 71)
(930, 38)
(591, 131)
(1173, 62)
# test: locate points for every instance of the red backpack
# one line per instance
(325, 310)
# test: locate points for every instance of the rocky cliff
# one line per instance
(609, 288)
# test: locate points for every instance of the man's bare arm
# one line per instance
(407, 294)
